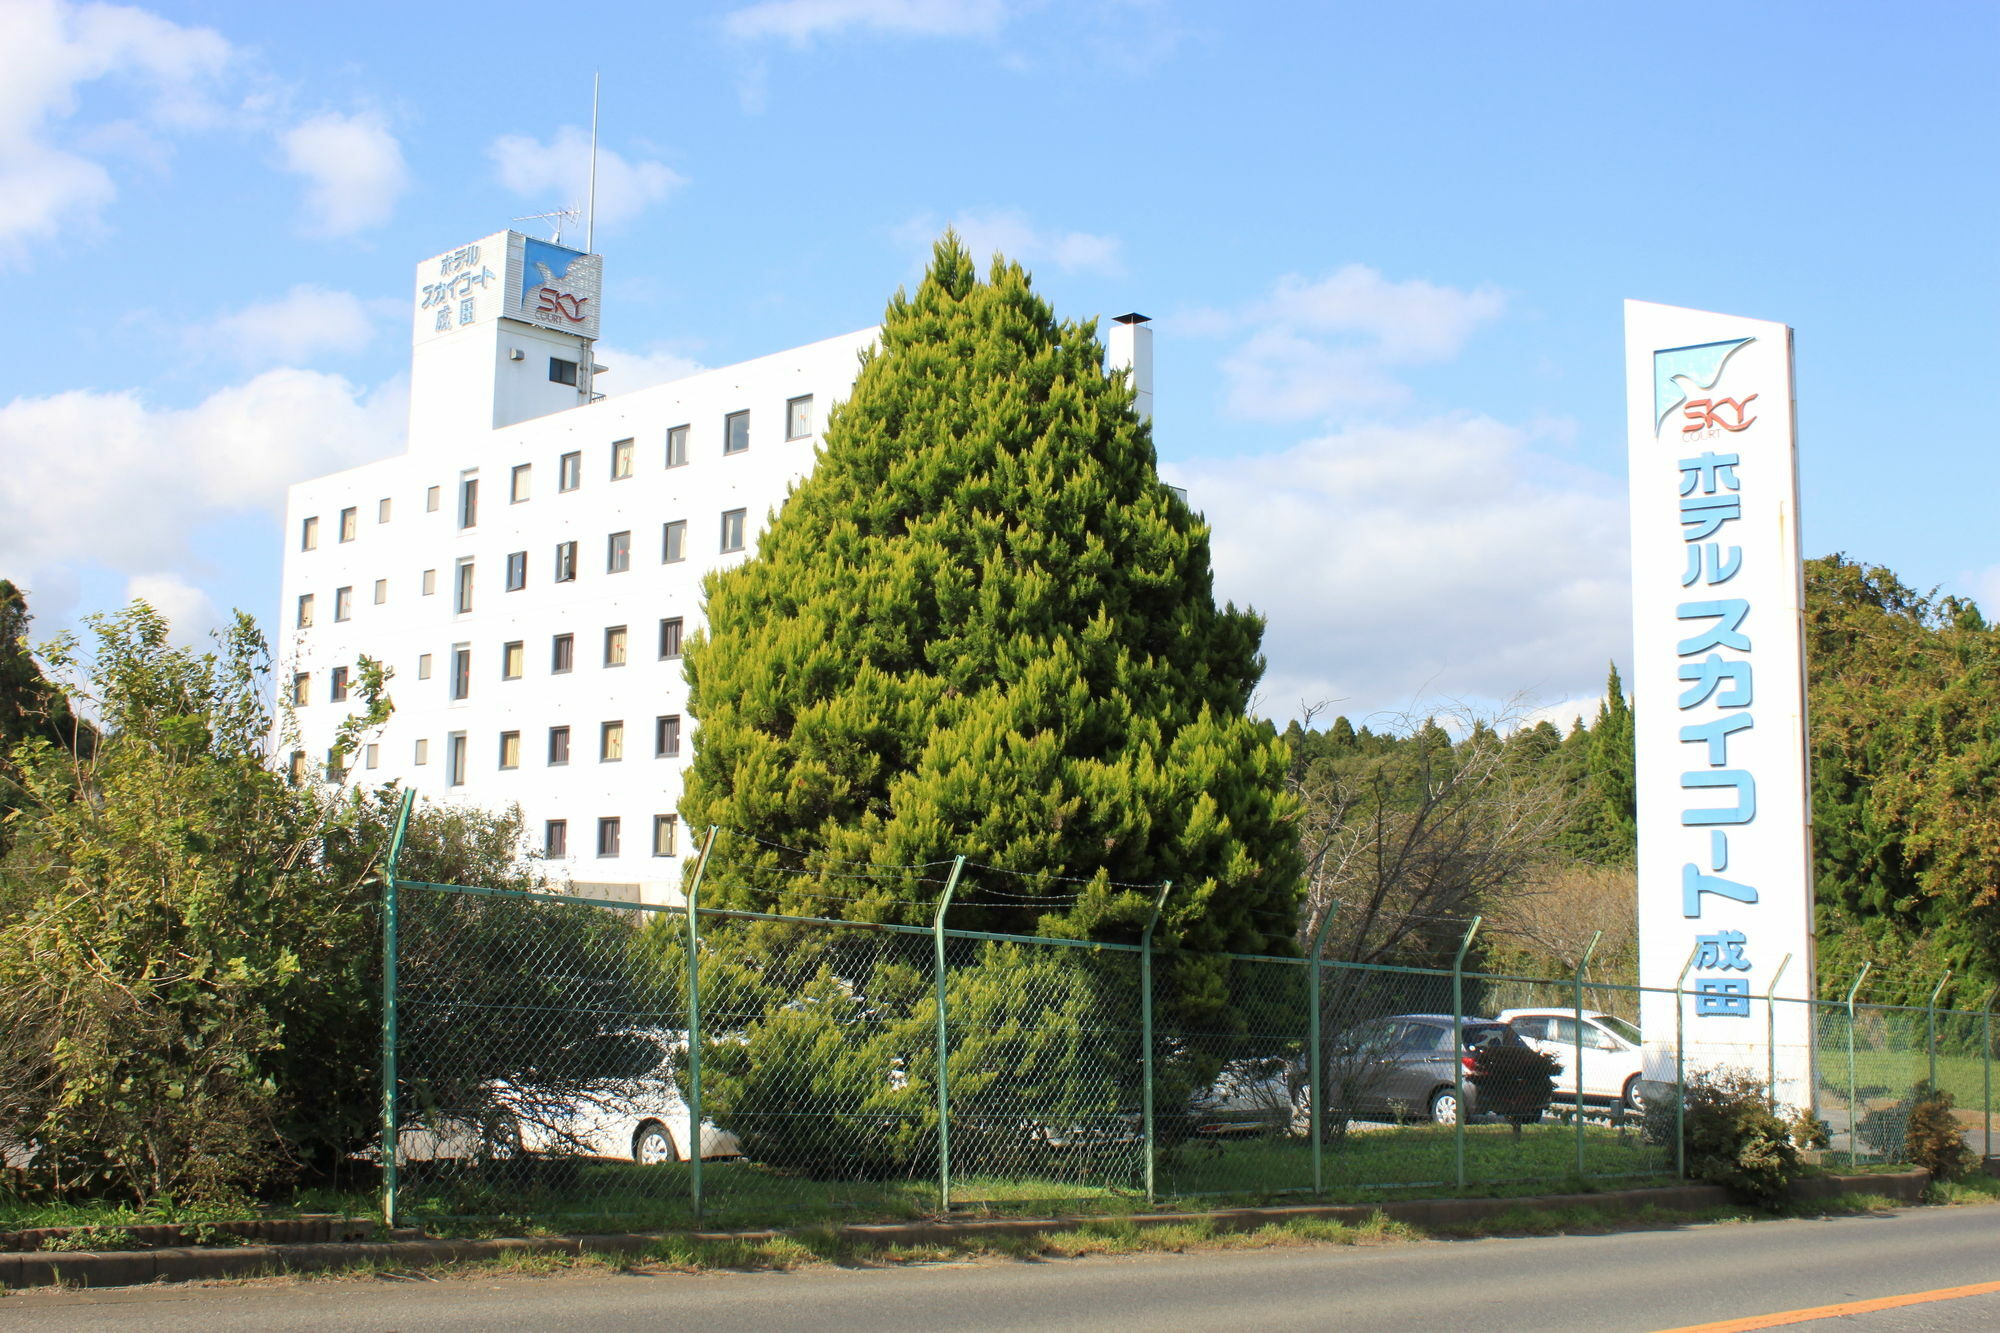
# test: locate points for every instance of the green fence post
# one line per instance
(1680, 1066)
(1458, 1048)
(1146, 1024)
(1853, 1085)
(1771, 1034)
(694, 1020)
(943, 1050)
(1986, 1062)
(1316, 1087)
(1930, 1025)
(1583, 965)
(390, 924)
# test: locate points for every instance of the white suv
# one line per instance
(1612, 1062)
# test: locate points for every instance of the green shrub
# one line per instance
(1932, 1139)
(1731, 1135)
(1517, 1082)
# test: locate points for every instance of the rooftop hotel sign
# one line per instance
(512, 276)
(1725, 883)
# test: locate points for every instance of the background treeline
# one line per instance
(1413, 831)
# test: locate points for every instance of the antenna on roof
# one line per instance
(555, 218)
(590, 213)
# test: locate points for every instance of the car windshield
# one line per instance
(1487, 1034)
(1621, 1027)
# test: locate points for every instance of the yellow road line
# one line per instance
(1783, 1317)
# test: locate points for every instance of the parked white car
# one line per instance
(643, 1119)
(1612, 1060)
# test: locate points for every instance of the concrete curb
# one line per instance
(137, 1267)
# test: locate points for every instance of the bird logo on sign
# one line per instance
(1678, 372)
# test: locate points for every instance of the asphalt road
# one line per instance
(1638, 1281)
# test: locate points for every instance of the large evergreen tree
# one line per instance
(983, 626)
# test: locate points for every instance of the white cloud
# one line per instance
(103, 480)
(558, 172)
(1564, 715)
(353, 167)
(800, 21)
(1318, 347)
(1010, 232)
(50, 50)
(188, 609)
(1396, 564)
(303, 322)
(1983, 587)
(642, 370)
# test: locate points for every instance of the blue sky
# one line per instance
(1384, 247)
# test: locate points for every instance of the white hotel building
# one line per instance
(529, 567)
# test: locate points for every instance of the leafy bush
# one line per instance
(1731, 1135)
(1517, 1082)
(1932, 1138)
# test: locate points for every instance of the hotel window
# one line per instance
(517, 571)
(569, 472)
(667, 737)
(732, 530)
(430, 582)
(468, 502)
(611, 743)
(381, 591)
(565, 562)
(618, 553)
(337, 687)
(562, 653)
(558, 745)
(735, 432)
(432, 500)
(343, 603)
(555, 838)
(511, 657)
(423, 666)
(462, 595)
(519, 484)
(454, 759)
(297, 767)
(372, 756)
(305, 610)
(350, 519)
(607, 836)
(621, 460)
(664, 829)
(614, 646)
(677, 446)
(561, 371)
(461, 672)
(670, 637)
(335, 769)
(422, 753)
(510, 749)
(798, 417)
(382, 510)
(673, 542)
(309, 535)
(301, 688)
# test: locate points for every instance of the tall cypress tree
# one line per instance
(982, 626)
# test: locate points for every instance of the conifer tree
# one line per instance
(982, 626)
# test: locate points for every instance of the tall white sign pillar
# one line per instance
(1725, 845)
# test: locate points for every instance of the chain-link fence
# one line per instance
(563, 1061)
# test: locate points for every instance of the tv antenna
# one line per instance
(556, 219)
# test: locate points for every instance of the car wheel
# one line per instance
(652, 1146)
(1634, 1099)
(1444, 1107)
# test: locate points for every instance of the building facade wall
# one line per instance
(408, 623)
